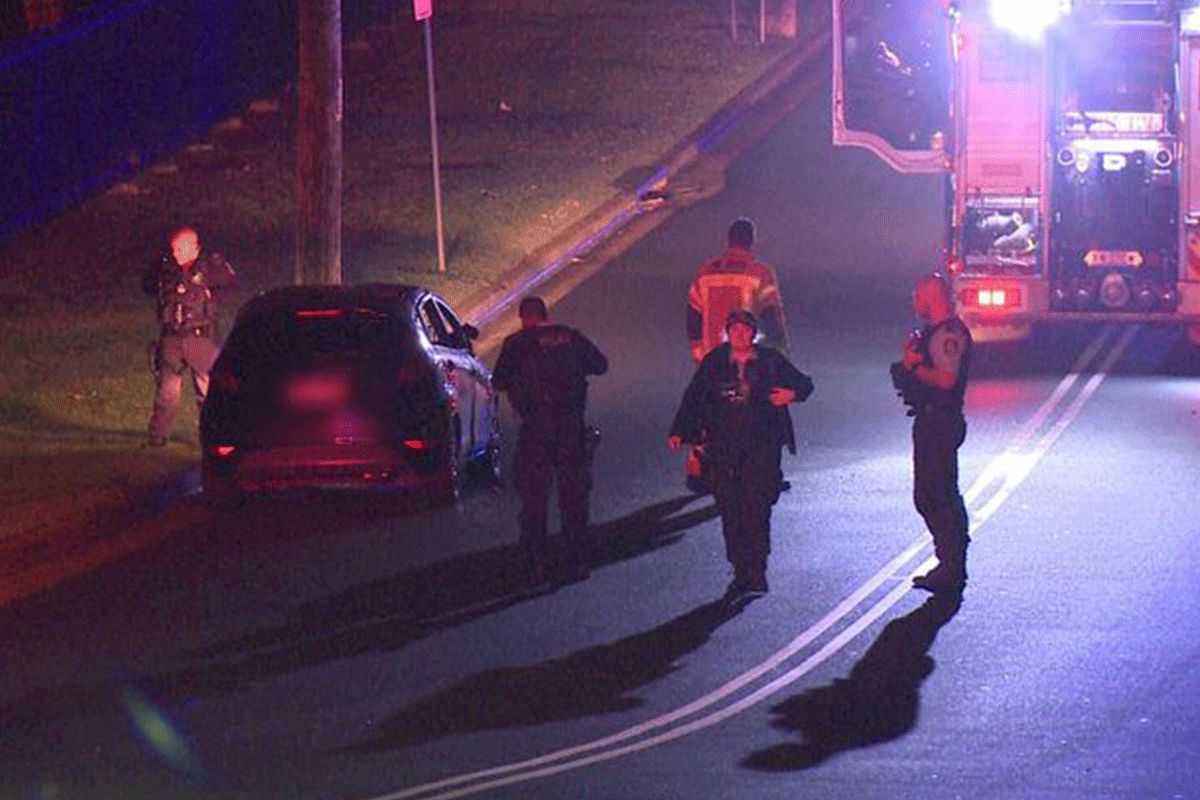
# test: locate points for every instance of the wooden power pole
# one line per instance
(319, 143)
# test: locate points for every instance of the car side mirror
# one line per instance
(470, 331)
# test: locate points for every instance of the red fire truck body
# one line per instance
(1065, 131)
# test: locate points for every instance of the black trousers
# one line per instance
(552, 448)
(937, 435)
(746, 485)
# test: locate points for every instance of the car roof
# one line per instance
(388, 297)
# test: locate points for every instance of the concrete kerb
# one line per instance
(577, 240)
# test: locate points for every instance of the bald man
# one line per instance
(932, 377)
(188, 283)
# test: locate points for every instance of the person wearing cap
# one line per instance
(733, 281)
(189, 283)
(737, 403)
(932, 379)
(543, 368)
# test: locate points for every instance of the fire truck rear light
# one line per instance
(1008, 297)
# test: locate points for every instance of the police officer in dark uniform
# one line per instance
(737, 402)
(544, 368)
(188, 283)
(932, 379)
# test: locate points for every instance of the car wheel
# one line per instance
(489, 463)
(445, 486)
(219, 487)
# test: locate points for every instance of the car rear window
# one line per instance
(321, 335)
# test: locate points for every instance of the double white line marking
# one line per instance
(990, 490)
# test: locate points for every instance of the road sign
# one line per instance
(422, 9)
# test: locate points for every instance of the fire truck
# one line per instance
(1066, 131)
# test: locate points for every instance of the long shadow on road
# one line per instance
(387, 614)
(591, 682)
(876, 703)
(378, 616)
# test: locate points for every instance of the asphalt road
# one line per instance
(342, 650)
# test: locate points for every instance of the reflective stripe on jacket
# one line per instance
(733, 281)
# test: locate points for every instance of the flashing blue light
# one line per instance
(1189, 21)
(1027, 19)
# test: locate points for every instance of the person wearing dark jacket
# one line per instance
(737, 402)
(188, 283)
(543, 368)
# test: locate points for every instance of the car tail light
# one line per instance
(416, 444)
(224, 450)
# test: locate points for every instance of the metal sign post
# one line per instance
(423, 12)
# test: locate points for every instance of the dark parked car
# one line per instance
(364, 386)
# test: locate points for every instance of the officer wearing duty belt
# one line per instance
(544, 369)
(932, 379)
(188, 284)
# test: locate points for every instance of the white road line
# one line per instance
(840, 612)
(1077, 369)
(720, 715)
(998, 468)
(1017, 466)
(1011, 465)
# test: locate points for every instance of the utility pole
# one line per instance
(319, 143)
(423, 11)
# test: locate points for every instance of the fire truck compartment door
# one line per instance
(891, 80)
(1189, 67)
(1189, 166)
(1003, 97)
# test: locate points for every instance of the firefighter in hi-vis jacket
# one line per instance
(732, 282)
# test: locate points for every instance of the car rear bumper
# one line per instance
(351, 466)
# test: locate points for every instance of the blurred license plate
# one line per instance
(317, 391)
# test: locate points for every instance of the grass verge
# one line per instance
(546, 107)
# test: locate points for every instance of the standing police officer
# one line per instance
(932, 379)
(737, 403)
(188, 284)
(544, 368)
